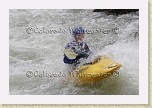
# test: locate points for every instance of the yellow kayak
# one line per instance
(100, 68)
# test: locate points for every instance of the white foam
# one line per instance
(45, 51)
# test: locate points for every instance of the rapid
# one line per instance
(37, 39)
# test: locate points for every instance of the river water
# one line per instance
(37, 39)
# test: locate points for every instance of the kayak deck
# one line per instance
(100, 68)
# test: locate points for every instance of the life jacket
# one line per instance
(77, 47)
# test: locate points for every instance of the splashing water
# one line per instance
(37, 39)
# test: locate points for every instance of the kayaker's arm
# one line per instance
(72, 55)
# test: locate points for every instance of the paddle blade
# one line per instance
(70, 53)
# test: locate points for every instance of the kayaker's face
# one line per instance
(79, 37)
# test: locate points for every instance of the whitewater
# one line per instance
(37, 39)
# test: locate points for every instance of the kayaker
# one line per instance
(78, 46)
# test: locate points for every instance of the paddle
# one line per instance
(70, 53)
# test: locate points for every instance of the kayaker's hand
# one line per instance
(85, 56)
(82, 55)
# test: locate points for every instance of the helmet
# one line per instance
(77, 30)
